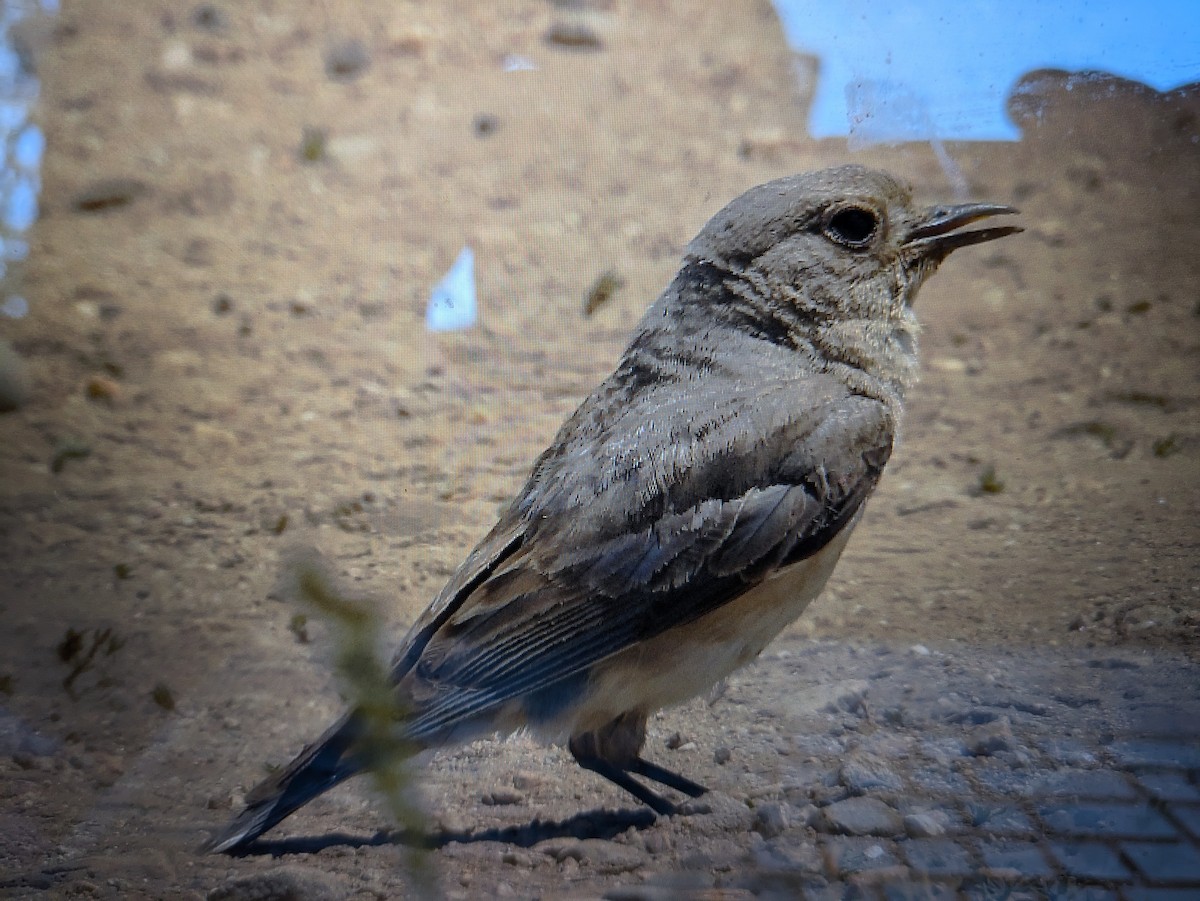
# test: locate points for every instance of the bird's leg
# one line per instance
(666, 777)
(613, 752)
(622, 779)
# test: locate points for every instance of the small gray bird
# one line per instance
(693, 505)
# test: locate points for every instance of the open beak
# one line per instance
(935, 235)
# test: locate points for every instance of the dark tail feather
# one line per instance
(318, 768)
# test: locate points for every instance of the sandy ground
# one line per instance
(229, 361)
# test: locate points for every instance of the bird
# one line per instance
(692, 506)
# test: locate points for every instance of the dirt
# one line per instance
(228, 361)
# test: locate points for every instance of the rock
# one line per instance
(860, 816)
(284, 884)
(772, 819)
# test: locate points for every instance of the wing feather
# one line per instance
(553, 599)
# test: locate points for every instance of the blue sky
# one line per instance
(920, 70)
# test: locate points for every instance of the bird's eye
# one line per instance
(853, 226)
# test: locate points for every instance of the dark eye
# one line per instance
(853, 226)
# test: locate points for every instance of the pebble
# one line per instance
(347, 59)
(502, 796)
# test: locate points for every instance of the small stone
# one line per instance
(347, 59)
(527, 781)
(861, 816)
(808, 815)
(772, 819)
(485, 125)
(501, 797)
(722, 755)
(100, 388)
(518, 858)
(573, 36)
(108, 194)
(656, 842)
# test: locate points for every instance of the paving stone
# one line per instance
(1069, 752)
(1073, 891)
(1172, 720)
(1023, 858)
(1108, 784)
(943, 749)
(939, 781)
(993, 889)
(865, 773)
(1106, 820)
(1167, 754)
(1089, 861)
(1003, 780)
(860, 816)
(831, 891)
(1166, 863)
(1169, 785)
(999, 819)
(850, 855)
(920, 891)
(928, 824)
(937, 857)
(1189, 815)
(787, 854)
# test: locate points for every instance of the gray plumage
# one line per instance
(695, 502)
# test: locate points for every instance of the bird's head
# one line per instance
(847, 241)
(832, 261)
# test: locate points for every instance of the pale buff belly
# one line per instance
(686, 661)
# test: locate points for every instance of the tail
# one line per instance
(318, 768)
